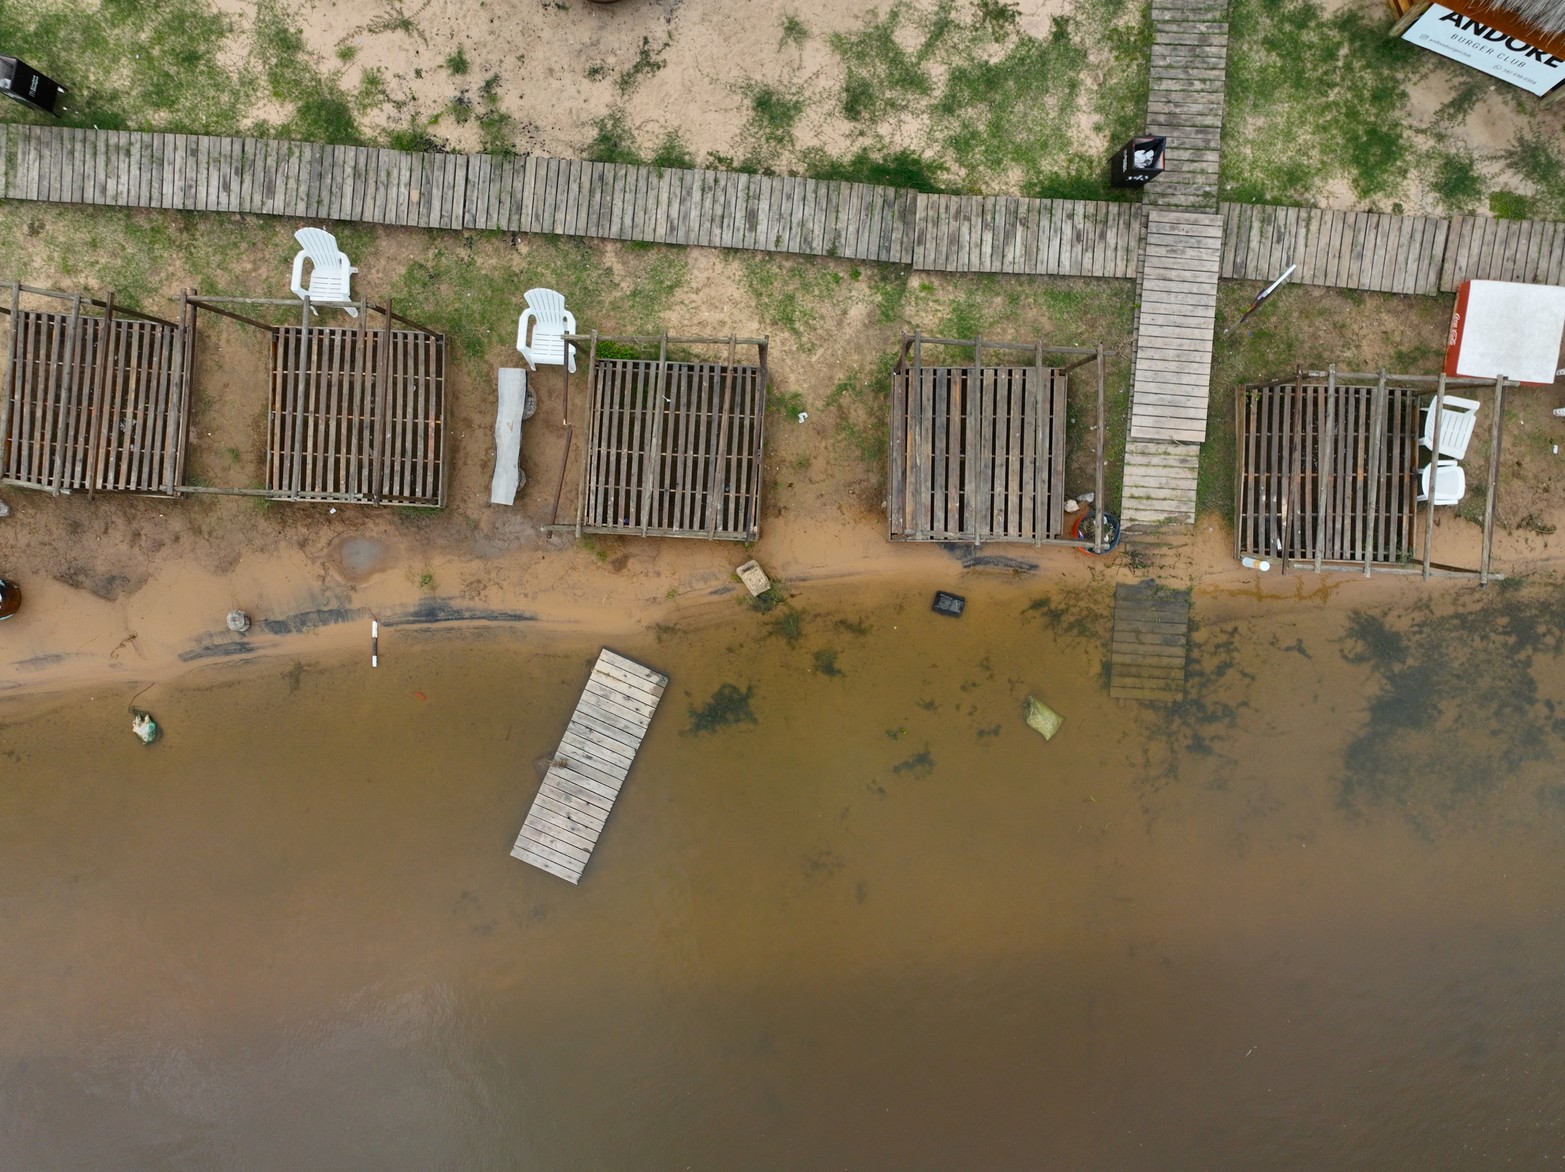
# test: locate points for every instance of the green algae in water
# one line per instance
(727, 706)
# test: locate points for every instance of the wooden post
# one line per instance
(1377, 459)
(1323, 463)
(715, 476)
(100, 385)
(8, 390)
(1043, 509)
(378, 431)
(1097, 484)
(1494, 479)
(650, 474)
(1405, 21)
(972, 446)
(1434, 471)
(592, 391)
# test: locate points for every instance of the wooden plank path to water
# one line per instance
(1150, 643)
(1173, 366)
(587, 771)
(1177, 277)
(1185, 99)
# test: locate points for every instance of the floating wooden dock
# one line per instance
(594, 756)
(1150, 643)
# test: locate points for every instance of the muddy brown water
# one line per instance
(1311, 918)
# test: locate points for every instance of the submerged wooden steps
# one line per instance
(1150, 642)
(594, 756)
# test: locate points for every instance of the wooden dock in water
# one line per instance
(594, 756)
(1151, 639)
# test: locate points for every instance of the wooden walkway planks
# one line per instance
(1339, 249)
(1178, 306)
(595, 755)
(1185, 99)
(1042, 237)
(1150, 642)
(776, 213)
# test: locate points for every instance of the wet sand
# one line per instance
(1309, 918)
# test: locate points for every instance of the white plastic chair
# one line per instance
(1450, 482)
(1456, 426)
(550, 321)
(330, 271)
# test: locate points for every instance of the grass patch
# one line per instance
(1000, 107)
(1285, 135)
(133, 66)
(472, 291)
(793, 32)
(774, 111)
(648, 61)
(322, 111)
(456, 64)
(900, 168)
(727, 707)
(613, 140)
(1456, 181)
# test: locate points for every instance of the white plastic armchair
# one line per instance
(551, 321)
(330, 271)
(1450, 482)
(1456, 425)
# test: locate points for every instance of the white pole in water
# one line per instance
(374, 642)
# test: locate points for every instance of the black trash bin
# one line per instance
(25, 84)
(1138, 162)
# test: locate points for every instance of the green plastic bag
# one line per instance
(1042, 718)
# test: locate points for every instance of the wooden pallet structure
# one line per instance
(95, 396)
(589, 768)
(356, 413)
(977, 453)
(674, 445)
(1326, 475)
(1150, 642)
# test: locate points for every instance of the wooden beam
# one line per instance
(1494, 478)
(1434, 472)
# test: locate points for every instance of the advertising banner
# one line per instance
(1472, 42)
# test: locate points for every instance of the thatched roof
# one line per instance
(1545, 15)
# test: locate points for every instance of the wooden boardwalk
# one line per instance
(1388, 254)
(1177, 276)
(775, 213)
(590, 766)
(1185, 99)
(1042, 237)
(1150, 643)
